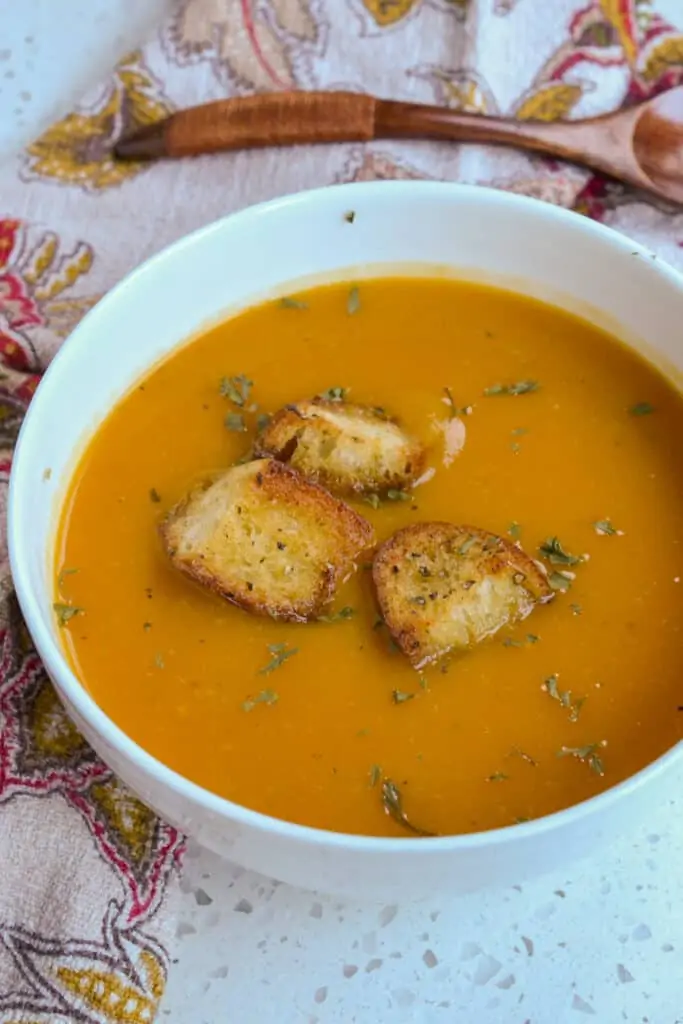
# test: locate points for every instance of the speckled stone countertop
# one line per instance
(602, 940)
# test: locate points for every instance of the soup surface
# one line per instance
(545, 714)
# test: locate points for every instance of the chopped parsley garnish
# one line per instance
(497, 777)
(235, 421)
(555, 553)
(559, 580)
(47, 473)
(279, 653)
(401, 696)
(154, 494)
(521, 387)
(65, 612)
(267, 697)
(375, 774)
(563, 697)
(63, 573)
(576, 609)
(350, 216)
(514, 530)
(262, 421)
(287, 302)
(353, 301)
(532, 638)
(236, 389)
(334, 394)
(393, 806)
(146, 626)
(588, 754)
(395, 495)
(641, 409)
(341, 616)
(604, 528)
(372, 500)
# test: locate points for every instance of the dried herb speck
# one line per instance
(393, 806)
(588, 754)
(375, 774)
(279, 653)
(350, 216)
(267, 697)
(401, 696)
(235, 421)
(341, 616)
(236, 389)
(154, 495)
(336, 394)
(554, 552)
(521, 387)
(604, 528)
(353, 300)
(288, 302)
(641, 409)
(65, 612)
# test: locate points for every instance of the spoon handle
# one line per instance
(291, 118)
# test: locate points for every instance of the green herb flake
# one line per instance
(521, 821)
(588, 754)
(341, 616)
(47, 473)
(236, 389)
(520, 431)
(158, 661)
(392, 802)
(552, 550)
(576, 609)
(353, 300)
(561, 581)
(531, 638)
(521, 387)
(401, 696)
(154, 495)
(372, 500)
(514, 530)
(509, 642)
(350, 216)
(63, 573)
(564, 697)
(395, 495)
(497, 777)
(288, 302)
(266, 697)
(235, 421)
(641, 409)
(423, 683)
(262, 421)
(336, 394)
(279, 653)
(146, 626)
(65, 612)
(605, 528)
(375, 774)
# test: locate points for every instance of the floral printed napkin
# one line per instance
(88, 875)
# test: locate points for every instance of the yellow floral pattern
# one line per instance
(77, 149)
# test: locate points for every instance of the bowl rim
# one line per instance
(105, 727)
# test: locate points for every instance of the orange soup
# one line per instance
(571, 448)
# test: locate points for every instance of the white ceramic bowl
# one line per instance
(534, 248)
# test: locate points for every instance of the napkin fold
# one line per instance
(88, 875)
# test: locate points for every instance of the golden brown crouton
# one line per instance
(351, 449)
(442, 587)
(267, 540)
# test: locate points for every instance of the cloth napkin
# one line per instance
(88, 875)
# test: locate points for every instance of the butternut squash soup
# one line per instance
(397, 558)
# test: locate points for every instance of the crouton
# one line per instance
(266, 539)
(442, 588)
(350, 449)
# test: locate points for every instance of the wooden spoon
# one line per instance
(641, 145)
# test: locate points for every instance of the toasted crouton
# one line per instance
(267, 540)
(350, 449)
(442, 587)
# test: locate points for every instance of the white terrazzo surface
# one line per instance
(603, 940)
